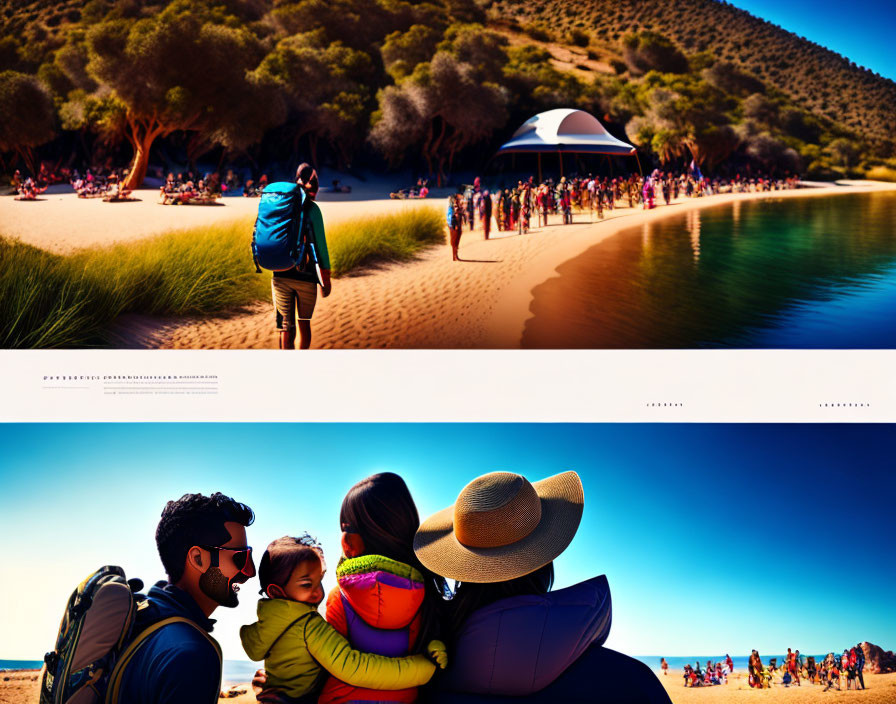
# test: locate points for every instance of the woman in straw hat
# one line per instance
(508, 634)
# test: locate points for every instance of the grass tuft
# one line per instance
(366, 241)
(50, 301)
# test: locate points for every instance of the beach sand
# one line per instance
(429, 303)
(21, 687)
(61, 222)
(881, 689)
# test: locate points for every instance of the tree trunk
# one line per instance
(434, 151)
(139, 165)
(141, 134)
(27, 156)
(426, 151)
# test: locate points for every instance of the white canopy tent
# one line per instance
(565, 130)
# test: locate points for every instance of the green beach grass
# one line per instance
(50, 301)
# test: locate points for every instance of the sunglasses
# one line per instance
(241, 557)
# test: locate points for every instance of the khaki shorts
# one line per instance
(293, 297)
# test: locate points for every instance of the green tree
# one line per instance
(649, 51)
(688, 111)
(759, 108)
(441, 108)
(28, 115)
(845, 152)
(326, 89)
(402, 51)
(732, 79)
(180, 70)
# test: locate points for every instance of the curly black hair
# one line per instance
(195, 519)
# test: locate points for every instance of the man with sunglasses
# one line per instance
(203, 547)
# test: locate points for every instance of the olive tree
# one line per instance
(28, 115)
(180, 70)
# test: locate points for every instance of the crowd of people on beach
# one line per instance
(27, 188)
(841, 671)
(189, 189)
(419, 190)
(513, 208)
(711, 674)
(391, 620)
(105, 181)
(105, 184)
(102, 182)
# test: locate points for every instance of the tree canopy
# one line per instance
(28, 115)
(430, 81)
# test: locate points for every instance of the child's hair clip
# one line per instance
(308, 541)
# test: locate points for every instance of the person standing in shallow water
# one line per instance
(295, 290)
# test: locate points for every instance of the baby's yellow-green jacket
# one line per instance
(298, 647)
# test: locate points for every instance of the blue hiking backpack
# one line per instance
(278, 241)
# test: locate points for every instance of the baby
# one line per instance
(299, 647)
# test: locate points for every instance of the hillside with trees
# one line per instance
(435, 84)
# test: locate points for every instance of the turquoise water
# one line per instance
(782, 273)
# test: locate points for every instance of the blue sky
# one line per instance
(861, 30)
(715, 538)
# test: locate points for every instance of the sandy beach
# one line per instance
(881, 690)
(432, 302)
(21, 687)
(61, 222)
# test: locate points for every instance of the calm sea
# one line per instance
(235, 671)
(783, 273)
(240, 671)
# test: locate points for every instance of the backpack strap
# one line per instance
(114, 688)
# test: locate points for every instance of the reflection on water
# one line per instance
(795, 273)
(693, 220)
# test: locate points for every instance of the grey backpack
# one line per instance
(97, 638)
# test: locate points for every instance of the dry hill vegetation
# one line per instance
(434, 82)
(812, 76)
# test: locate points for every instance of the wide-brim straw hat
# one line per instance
(502, 527)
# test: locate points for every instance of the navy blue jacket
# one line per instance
(543, 648)
(177, 664)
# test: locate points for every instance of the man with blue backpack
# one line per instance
(289, 240)
(116, 645)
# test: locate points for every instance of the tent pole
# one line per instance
(611, 165)
(539, 168)
(560, 154)
(639, 164)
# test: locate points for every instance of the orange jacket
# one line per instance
(376, 606)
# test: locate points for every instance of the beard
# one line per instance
(216, 586)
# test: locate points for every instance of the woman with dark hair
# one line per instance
(385, 601)
(295, 290)
(510, 636)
